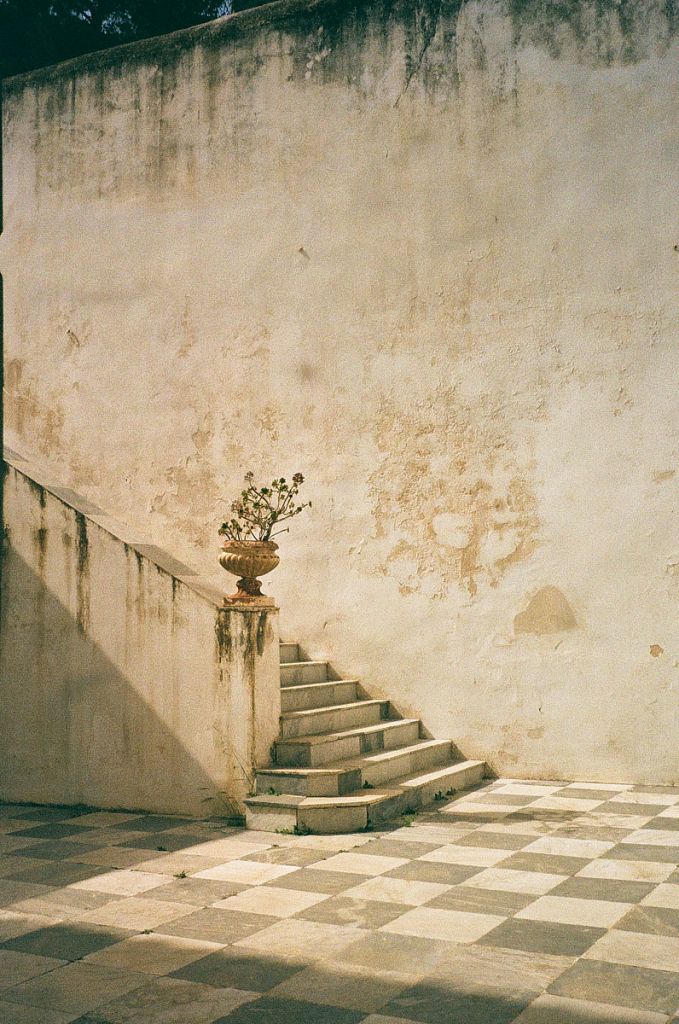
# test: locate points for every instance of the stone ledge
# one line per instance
(201, 585)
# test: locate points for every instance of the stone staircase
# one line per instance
(345, 762)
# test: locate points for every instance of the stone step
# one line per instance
(333, 719)
(307, 696)
(315, 750)
(298, 673)
(289, 652)
(362, 809)
(341, 778)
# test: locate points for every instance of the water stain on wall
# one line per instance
(548, 611)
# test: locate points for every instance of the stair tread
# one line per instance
(329, 737)
(308, 712)
(361, 797)
(351, 763)
(299, 687)
(440, 773)
(298, 664)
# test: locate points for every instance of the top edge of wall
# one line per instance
(603, 31)
(163, 561)
(230, 28)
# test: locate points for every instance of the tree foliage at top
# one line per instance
(34, 33)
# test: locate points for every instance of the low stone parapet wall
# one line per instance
(124, 681)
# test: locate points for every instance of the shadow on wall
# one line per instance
(74, 729)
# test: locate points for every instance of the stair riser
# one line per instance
(350, 818)
(353, 717)
(424, 795)
(381, 773)
(305, 672)
(313, 755)
(289, 652)
(333, 784)
(270, 821)
(345, 781)
(299, 698)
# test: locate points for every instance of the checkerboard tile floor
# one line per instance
(525, 902)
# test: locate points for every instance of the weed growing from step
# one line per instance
(181, 874)
(408, 816)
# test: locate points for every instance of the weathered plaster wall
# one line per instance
(122, 682)
(426, 253)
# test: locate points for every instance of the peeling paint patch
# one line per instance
(656, 650)
(547, 612)
(452, 502)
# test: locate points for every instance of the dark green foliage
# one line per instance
(35, 33)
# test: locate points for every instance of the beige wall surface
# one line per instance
(122, 686)
(425, 253)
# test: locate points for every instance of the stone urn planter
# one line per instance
(249, 559)
(248, 550)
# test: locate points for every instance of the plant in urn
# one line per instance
(248, 550)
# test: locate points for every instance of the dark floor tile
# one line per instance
(287, 1011)
(481, 818)
(361, 913)
(59, 872)
(664, 824)
(54, 850)
(167, 840)
(431, 871)
(51, 830)
(231, 968)
(639, 851)
(472, 967)
(45, 814)
(12, 811)
(297, 856)
(67, 941)
(435, 1003)
(511, 799)
(308, 880)
(603, 834)
(589, 794)
(652, 921)
(407, 954)
(399, 848)
(642, 788)
(150, 823)
(11, 891)
(619, 985)
(603, 889)
(93, 1018)
(542, 937)
(645, 810)
(543, 815)
(545, 862)
(199, 892)
(495, 840)
(468, 900)
(215, 925)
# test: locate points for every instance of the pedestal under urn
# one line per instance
(249, 559)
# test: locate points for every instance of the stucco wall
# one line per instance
(426, 253)
(123, 683)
